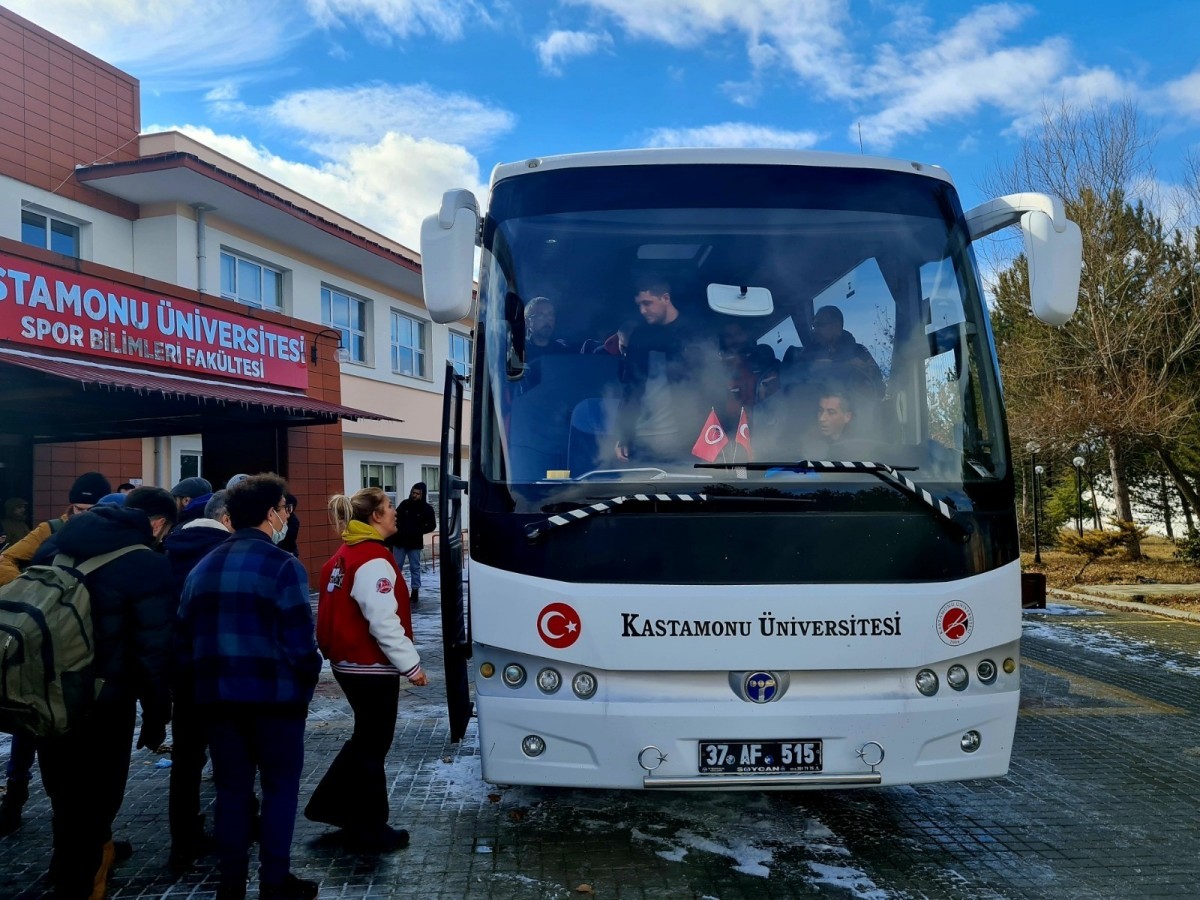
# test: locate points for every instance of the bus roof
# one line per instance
(714, 156)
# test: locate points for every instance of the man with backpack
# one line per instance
(85, 493)
(132, 610)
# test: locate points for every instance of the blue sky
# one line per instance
(374, 107)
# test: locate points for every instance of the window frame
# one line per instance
(347, 330)
(397, 470)
(462, 366)
(420, 354)
(49, 220)
(239, 259)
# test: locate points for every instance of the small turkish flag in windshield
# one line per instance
(712, 440)
(743, 436)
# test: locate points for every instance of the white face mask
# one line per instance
(278, 536)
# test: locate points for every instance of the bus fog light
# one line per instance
(532, 745)
(969, 742)
(549, 681)
(927, 682)
(986, 670)
(957, 677)
(514, 675)
(487, 670)
(584, 685)
(1010, 666)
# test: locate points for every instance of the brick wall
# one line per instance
(56, 466)
(61, 107)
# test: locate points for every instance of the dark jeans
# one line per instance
(188, 746)
(84, 772)
(353, 794)
(20, 758)
(243, 742)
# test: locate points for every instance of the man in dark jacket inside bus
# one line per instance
(133, 605)
(415, 518)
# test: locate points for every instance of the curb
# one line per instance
(1127, 605)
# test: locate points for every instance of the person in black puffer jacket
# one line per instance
(133, 610)
(185, 547)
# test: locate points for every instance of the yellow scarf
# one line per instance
(357, 532)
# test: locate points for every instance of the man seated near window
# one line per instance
(540, 322)
(833, 353)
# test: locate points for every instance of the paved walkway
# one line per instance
(436, 794)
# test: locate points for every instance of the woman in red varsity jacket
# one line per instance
(364, 629)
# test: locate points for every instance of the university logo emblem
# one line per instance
(955, 623)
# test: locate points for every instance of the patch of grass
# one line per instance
(1159, 566)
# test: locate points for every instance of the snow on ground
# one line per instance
(1101, 640)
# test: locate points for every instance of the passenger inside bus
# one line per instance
(834, 353)
(664, 401)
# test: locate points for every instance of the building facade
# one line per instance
(167, 312)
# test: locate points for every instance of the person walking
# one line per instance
(132, 604)
(415, 518)
(185, 547)
(364, 628)
(245, 641)
(87, 490)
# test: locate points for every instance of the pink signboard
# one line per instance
(56, 309)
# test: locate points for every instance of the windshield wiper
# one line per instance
(535, 530)
(579, 513)
(890, 474)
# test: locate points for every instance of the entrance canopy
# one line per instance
(49, 399)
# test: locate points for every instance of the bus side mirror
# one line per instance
(1053, 247)
(1055, 265)
(448, 256)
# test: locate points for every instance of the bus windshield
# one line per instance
(667, 324)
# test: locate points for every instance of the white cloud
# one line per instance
(445, 19)
(1183, 94)
(925, 77)
(174, 39)
(389, 185)
(806, 34)
(560, 46)
(364, 113)
(732, 134)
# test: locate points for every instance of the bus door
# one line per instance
(456, 638)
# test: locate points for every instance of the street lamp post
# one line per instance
(1037, 514)
(1034, 468)
(1078, 463)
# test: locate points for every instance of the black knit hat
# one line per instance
(193, 487)
(89, 488)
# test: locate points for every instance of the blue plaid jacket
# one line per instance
(246, 633)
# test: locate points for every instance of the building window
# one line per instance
(408, 345)
(250, 282)
(347, 315)
(460, 353)
(49, 233)
(432, 477)
(189, 464)
(380, 475)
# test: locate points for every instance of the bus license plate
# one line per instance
(761, 757)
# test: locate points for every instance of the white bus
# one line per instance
(741, 512)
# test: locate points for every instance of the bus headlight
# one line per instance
(927, 682)
(986, 670)
(487, 670)
(584, 685)
(532, 745)
(957, 677)
(970, 741)
(514, 675)
(549, 681)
